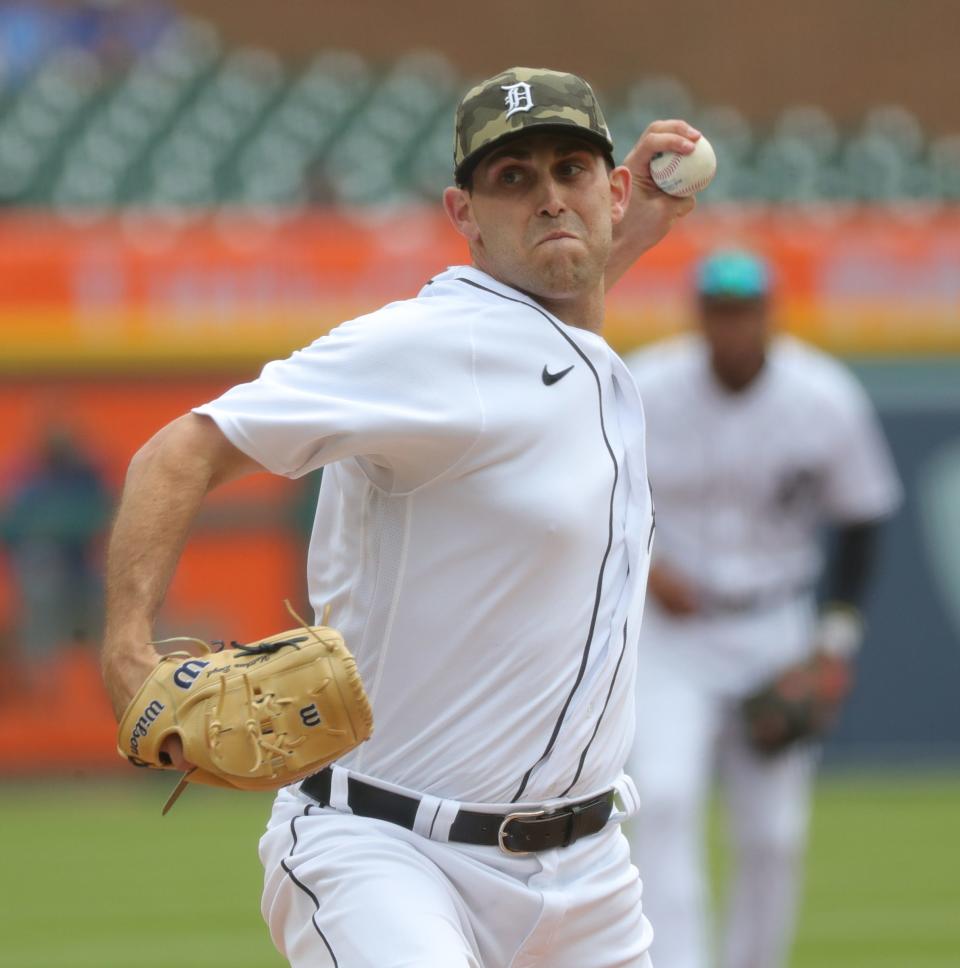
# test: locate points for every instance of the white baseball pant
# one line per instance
(351, 892)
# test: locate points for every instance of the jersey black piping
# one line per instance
(606, 554)
(653, 517)
(303, 887)
(606, 702)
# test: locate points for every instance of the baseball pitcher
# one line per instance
(481, 542)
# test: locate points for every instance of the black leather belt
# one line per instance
(521, 832)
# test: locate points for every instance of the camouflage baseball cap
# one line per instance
(519, 100)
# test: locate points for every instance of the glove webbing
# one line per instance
(281, 746)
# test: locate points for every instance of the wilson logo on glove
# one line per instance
(149, 717)
(187, 674)
(251, 717)
(310, 715)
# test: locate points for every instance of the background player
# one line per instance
(491, 597)
(755, 441)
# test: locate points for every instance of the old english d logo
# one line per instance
(519, 97)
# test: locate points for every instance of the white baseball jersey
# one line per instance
(743, 480)
(482, 533)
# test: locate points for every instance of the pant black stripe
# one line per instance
(293, 829)
(306, 890)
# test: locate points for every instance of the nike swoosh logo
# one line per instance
(550, 378)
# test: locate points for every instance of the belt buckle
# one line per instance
(519, 815)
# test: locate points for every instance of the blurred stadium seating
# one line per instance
(190, 124)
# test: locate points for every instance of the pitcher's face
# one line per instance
(541, 212)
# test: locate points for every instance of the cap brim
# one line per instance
(463, 171)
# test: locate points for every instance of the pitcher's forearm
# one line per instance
(166, 484)
(163, 492)
(651, 212)
(628, 245)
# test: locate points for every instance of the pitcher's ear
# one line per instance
(621, 187)
(458, 205)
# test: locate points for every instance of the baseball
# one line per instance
(683, 175)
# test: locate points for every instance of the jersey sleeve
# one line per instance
(862, 483)
(396, 395)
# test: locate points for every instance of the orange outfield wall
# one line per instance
(231, 290)
(246, 557)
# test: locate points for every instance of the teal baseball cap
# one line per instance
(733, 274)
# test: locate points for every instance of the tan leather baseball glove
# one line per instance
(251, 717)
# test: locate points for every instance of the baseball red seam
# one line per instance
(694, 186)
(697, 185)
(669, 168)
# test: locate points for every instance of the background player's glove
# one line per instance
(801, 703)
(252, 717)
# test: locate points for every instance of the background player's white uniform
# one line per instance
(742, 483)
(483, 537)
